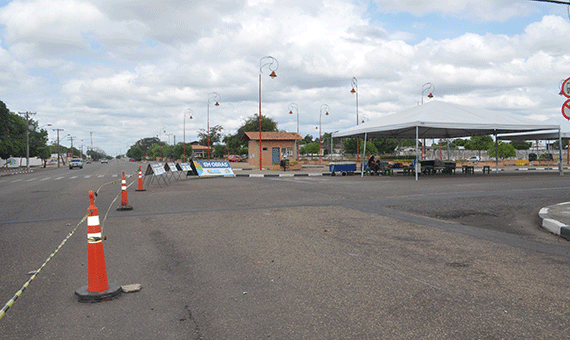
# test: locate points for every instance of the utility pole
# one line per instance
(91, 143)
(71, 139)
(57, 144)
(27, 115)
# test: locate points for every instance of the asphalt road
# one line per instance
(289, 258)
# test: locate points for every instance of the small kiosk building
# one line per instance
(274, 146)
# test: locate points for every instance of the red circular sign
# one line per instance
(566, 109)
(565, 90)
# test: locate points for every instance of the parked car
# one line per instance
(104, 161)
(473, 159)
(234, 158)
(76, 163)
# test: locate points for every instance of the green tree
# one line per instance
(267, 124)
(310, 148)
(179, 151)
(349, 145)
(145, 143)
(308, 139)
(44, 153)
(236, 144)
(219, 150)
(155, 151)
(385, 145)
(135, 152)
(480, 143)
(215, 135)
(12, 133)
(95, 154)
(370, 148)
(460, 142)
(410, 143)
(506, 150)
(521, 145)
(168, 151)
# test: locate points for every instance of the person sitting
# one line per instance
(373, 165)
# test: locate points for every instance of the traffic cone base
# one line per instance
(84, 295)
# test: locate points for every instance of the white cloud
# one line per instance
(490, 10)
(128, 69)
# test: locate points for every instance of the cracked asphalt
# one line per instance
(291, 258)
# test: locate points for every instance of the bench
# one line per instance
(486, 168)
(468, 169)
(409, 171)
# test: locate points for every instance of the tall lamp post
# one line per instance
(273, 65)
(214, 96)
(292, 107)
(427, 87)
(354, 90)
(184, 137)
(326, 108)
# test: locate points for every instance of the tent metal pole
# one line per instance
(363, 156)
(496, 153)
(560, 168)
(417, 156)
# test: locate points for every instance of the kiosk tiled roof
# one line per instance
(272, 136)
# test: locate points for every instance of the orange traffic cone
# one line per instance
(124, 197)
(140, 181)
(97, 289)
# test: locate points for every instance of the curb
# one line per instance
(284, 175)
(552, 225)
(14, 172)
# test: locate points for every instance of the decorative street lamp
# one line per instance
(427, 87)
(326, 108)
(355, 91)
(272, 64)
(214, 96)
(184, 141)
(292, 107)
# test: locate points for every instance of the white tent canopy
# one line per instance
(444, 120)
(543, 134)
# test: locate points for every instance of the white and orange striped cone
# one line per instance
(124, 196)
(98, 289)
(140, 188)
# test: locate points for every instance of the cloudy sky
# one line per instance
(127, 70)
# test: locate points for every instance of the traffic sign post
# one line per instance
(565, 90)
(566, 109)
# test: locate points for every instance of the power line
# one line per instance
(555, 1)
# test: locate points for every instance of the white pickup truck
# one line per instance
(76, 163)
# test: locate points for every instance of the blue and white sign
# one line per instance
(213, 168)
